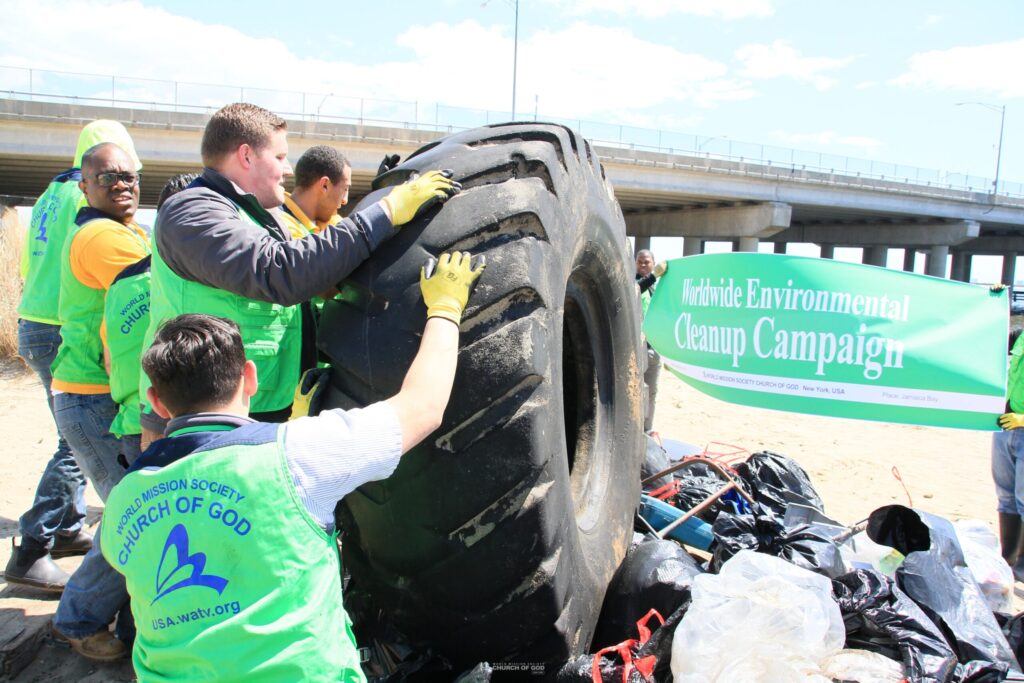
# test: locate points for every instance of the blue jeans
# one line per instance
(94, 595)
(1008, 470)
(85, 419)
(59, 505)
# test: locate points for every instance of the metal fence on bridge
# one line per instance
(46, 85)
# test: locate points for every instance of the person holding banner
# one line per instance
(647, 274)
(1008, 462)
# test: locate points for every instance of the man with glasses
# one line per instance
(52, 527)
(103, 242)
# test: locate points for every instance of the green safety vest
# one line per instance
(53, 216)
(126, 314)
(1015, 377)
(230, 577)
(271, 333)
(80, 357)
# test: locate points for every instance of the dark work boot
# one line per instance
(1009, 536)
(1018, 564)
(31, 565)
(66, 546)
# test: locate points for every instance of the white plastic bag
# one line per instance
(861, 666)
(860, 552)
(981, 550)
(759, 620)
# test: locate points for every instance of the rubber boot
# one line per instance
(1009, 536)
(31, 565)
(1018, 563)
(67, 546)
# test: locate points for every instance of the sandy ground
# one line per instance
(850, 463)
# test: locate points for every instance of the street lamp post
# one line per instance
(515, 51)
(1001, 108)
(515, 60)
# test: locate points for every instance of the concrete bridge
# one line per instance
(697, 197)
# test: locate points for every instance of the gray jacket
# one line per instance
(201, 237)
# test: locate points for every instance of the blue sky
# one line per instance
(871, 80)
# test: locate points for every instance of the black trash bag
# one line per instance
(1013, 629)
(481, 673)
(775, 481)
(655, 460)
(660, 644)
(881, 618)
(392, 657)
(580, 670)
(806, 545)
(984, 672)
(656, 574)
(935, 575)
(696, 484)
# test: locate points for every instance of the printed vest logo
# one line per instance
(178, 540)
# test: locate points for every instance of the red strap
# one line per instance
(624, 649)
(645, 665)
(641, 626)
(667, 491)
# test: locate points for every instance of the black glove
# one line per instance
(389, 162)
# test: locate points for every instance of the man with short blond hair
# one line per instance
(236, 125)
(220, 249)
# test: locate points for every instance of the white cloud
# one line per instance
(726, 9)
(994, 68)
(828, 138)
(933, 19)
(632, 74)
(560, 67)
(782, 60)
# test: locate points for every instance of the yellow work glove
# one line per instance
(661, 269)
(1011, 420)
(996, 288)
(445, 284)
(411, 197)
(310, 392)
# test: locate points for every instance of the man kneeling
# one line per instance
(224, 529)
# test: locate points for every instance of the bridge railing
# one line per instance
(47, 85)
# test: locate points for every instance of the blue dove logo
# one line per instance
(178, 540)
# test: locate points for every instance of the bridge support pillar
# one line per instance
(935, 264)
(780, 247)
(1009, 268)
(875, 256)
(743, 224)
(747, 244)
(828, 251)
(909, 259)
(642, 242)
(693, 246)
(961, 268)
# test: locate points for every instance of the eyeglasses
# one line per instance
(111, 179)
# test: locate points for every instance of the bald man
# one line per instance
(53, 527)
(104, 240)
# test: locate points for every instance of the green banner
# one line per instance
(824, 337)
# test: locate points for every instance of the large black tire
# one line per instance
(496, 538)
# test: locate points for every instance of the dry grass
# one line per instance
(11, 237)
